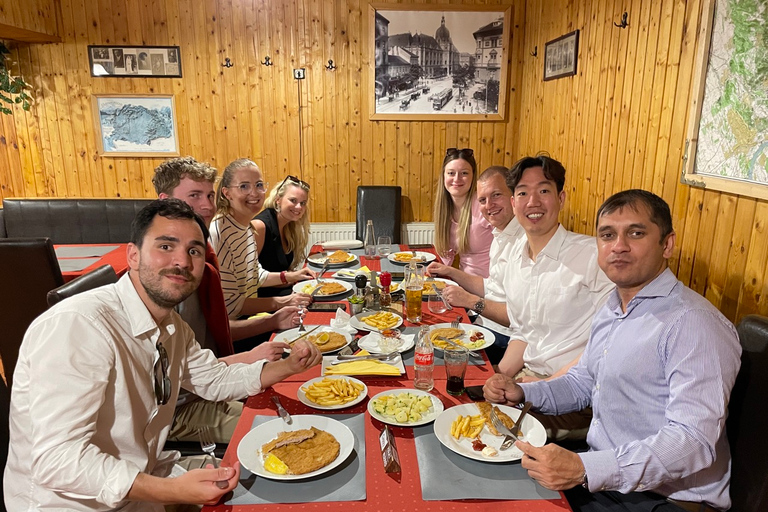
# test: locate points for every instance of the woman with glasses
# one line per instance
(239, 197)
(282, 230)
(460, 229)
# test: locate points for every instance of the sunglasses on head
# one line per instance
(162, 381)
(295, 180)
(458, 152)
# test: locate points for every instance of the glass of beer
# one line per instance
(414, 287)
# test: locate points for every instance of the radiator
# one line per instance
(413, 232)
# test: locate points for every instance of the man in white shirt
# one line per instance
(486, 296)
(556, 282)
(99, 374)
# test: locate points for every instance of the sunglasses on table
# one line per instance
(162, 381)
(457, 152)
(294, 179)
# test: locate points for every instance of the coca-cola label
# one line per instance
(424, 359)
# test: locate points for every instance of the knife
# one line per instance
(437, 292)
(281, 410)
(519, 423)
(303, 335)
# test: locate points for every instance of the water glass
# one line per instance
(384, 246)
(436, 304)
(455, 360)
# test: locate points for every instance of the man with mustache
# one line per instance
(658, 372)
(553, 284)
(486, 296)
(99, 374)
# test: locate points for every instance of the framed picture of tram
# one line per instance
(438, 62)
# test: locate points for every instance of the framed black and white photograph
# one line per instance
(438, 62)
(561, 56)
(135, 61)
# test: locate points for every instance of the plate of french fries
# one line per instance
(460, 427)
(332, 392)
(404, 258)
(376, 321)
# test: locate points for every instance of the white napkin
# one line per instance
(341, 322)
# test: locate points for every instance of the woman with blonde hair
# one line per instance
(460, 228)
(239, 197)
(282, 230)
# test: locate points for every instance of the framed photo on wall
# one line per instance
(135, 61)
(561, 56)
(134, 125)
(438, 62)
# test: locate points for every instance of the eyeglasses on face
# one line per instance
(294, 179)
(247, 188)
(459, 152)
(162, 381)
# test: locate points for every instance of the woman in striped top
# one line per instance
(239, 197)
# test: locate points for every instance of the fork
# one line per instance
(455, 323)
(509, 437)
(208, 446)
(451, 342)
(302, 311)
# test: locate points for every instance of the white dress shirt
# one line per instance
(84, 418)
(551, 301)
(493, 285)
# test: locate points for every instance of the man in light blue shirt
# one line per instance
(657, 371)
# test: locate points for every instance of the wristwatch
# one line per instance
(479, 306)
(585, 481)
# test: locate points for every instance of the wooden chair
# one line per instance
(747, 423)
(28, 271)
(101, 276)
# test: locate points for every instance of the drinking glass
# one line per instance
(384, 246)
(455, 360)
(436, 304)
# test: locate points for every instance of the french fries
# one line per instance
(332, 391)
(467, 426)
(381, 320)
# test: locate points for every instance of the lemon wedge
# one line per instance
(275, 465)
(322, 339)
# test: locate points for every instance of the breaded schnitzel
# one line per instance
(303, 451)
(485, 410)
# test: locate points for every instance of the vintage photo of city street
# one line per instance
(439, 63)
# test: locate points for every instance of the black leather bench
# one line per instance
(70, 221)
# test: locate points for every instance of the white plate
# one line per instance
(294, 333)
(357, 322)
(306, 401)
(488, 336)
(318, 259)
(249, 449)
(432, 292)
(428, 257)
(301, 286)
(533, 432)
(335, 245)
(370, 342)
(428, 417)
(397, 363)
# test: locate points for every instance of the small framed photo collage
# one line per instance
(135, 61)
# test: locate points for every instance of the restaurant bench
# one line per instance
(70, 221)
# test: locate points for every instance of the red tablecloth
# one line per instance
(117, 258)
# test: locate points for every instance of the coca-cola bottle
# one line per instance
(424, 361)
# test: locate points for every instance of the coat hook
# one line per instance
(331, 66)
(624, 23)
(535, 51)
(227, 63)
(267, 61)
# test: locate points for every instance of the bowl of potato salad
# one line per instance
(405, 408)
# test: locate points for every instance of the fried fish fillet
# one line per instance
(485, 410)
(304, 454)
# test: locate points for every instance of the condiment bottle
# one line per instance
(424, 361)
(386, 282)
(370, 240)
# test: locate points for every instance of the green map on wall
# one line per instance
(733, 131)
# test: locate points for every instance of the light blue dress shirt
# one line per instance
(658, 378)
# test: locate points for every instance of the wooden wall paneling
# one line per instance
(401, 174)
(737, 255)
(414, 171)
(198, 73)
(181, 33)
(46, 175)
(285, 92)
(240, 45)
(756, 266)
(233, 121)
(254, 81)
(718, 263)
(330, 102)
(316, 102)
(354, 72)
(22, 134)
(67, 171)
(509, 132)
(339, 53)
(425, 192)
(571, 137)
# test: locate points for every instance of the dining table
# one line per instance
(76, 260)
(431, 477)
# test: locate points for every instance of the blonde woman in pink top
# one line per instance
(460, 228)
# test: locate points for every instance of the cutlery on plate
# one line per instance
(509, 436)
(281, 410)
(451, 342)
(209, 446)
(519, 423)
(384, 358)
(440, 295)
(294, 340)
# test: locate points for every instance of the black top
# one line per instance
(272, 256)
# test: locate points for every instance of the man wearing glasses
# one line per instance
(98, 376)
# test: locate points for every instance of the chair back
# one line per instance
(101, 276)
(747, 423)
(381, 204)
(28, 271)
